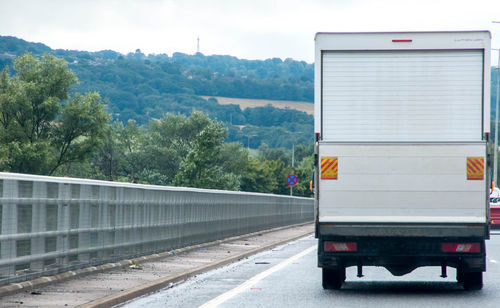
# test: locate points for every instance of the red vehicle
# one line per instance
(495, 212)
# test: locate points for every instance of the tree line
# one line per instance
(140, 89)
(46, 129)
(181, 73)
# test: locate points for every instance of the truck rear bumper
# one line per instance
(404, 230)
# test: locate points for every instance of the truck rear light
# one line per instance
(402, 41)
(461, 247)
(340, 246)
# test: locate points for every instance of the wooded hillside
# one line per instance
(144, 87)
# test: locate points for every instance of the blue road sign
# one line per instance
(291, 180)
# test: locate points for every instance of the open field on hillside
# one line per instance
(246, 103)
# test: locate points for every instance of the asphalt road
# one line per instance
(288, 276)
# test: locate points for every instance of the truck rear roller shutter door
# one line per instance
(431, 95)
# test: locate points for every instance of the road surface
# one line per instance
(288, 276)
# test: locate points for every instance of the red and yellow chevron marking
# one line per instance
(329, 168)
(475, 168)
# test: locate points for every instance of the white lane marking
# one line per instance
(250, 282)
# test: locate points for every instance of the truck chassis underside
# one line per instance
(400, 256)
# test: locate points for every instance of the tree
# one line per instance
(170, 140)
(233, 158)
(267, 153)
(280, 171)
(79, 129)
(259, 177)
(131, 144)
(42, 128)
(108, 157)
(302, 151)
(202, 166)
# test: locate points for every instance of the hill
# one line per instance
(144, 87)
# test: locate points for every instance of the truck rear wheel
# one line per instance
(333, 278)
(473, 281)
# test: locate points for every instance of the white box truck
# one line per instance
(402, 126)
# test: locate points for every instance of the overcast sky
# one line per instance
(251, 29)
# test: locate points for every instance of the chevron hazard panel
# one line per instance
(475, 168)
(329, 168)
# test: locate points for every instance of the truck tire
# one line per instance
(473, 281)
(333, 278)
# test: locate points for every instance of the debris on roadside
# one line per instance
(134, 265)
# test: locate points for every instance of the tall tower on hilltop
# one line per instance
(198, 45)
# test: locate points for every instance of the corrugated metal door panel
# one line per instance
(402, 95)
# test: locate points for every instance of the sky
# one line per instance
(251, 29)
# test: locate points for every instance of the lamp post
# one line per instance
(495, 153)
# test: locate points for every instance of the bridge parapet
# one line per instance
(50, 225)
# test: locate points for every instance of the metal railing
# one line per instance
(50, 225)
